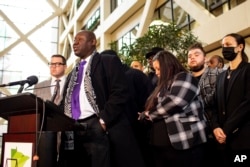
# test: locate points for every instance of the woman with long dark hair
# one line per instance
(177, 115)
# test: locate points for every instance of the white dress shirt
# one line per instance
(86, 108)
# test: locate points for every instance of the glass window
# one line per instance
(94, 21)
(26, 15)
(171, 12)
(127, 39)
(115, 4)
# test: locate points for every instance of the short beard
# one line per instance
(197, 68)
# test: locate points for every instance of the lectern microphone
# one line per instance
(41, 87)
(31, 80)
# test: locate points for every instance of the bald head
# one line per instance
(136, 65)
(88, 34)
(84, 44)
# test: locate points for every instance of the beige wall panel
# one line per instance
(235, 20)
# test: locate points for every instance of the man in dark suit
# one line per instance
(139, 90)
(105, 138)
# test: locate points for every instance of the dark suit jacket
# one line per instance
(111, 89)
(232, 112)
(139, 90)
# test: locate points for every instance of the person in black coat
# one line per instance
(104, 137)
(139, 90)
(231, 116)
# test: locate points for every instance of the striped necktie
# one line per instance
(56, 95)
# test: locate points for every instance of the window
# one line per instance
(94, 21)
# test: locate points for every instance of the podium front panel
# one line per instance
(19, 148)
(24, 123)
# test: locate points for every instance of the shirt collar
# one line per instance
(53, 80)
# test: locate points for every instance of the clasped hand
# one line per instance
(144, 116)
(220, 135)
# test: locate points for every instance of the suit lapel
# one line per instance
(89, 90)
(221, 87)
(94, 63)
(231, 81)
(47, 91)
(233, 78)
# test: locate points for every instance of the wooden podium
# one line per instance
(32, 130)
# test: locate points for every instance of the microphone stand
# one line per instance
(3, 85)
(20, 88)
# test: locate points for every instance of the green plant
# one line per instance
(169, 37)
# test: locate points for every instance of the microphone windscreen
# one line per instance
(32, 80)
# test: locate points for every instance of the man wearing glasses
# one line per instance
(50, 89)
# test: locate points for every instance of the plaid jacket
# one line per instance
(183, 112)
(207, 85)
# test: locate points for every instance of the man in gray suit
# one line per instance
(45, 89)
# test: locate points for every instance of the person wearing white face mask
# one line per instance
(231, 116)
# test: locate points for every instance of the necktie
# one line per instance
(75, 104)
(56, 95)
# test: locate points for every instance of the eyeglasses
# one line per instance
(55, 64)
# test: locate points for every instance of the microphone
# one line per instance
(42, 87)
(31, 80)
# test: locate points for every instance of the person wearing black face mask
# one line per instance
(229, 53)
(231, 114)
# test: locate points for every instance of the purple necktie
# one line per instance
(75, 103)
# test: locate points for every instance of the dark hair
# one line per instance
(219, 58)
(240, 40)
(153, 51)
(197, 45)
(61, 56)
(109, 51)
(169, 67)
